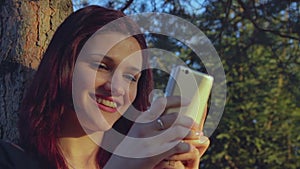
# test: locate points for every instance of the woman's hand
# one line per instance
(191, 159)
(153, 137)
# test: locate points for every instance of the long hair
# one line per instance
(51, 89)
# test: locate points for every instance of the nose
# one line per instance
(115, 86)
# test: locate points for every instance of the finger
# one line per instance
(163, 103)
(189, 160)
(176, 101)
(173, 119)
(191, 155)
(193, 135)
(159, 106)
(180, 148)
(167, 164)
(198, 148)
(201, 144)
(174, 134)
(154, 112)
(163, 124)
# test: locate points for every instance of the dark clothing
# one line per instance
(12, 157)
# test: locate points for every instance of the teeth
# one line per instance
(107, 103)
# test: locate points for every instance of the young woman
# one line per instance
(85, 84)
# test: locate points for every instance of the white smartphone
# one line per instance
(192, 85)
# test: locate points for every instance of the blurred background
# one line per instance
(258, 43)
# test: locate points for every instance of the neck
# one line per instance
(78, 146)
(80, 152)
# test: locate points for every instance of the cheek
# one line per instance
(132, 92)
(100, 79)
(82, 80)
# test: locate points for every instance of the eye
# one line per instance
(130, 77)
(103, 66)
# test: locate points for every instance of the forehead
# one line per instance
(107, 41)
(115, 45)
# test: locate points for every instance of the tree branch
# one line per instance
(264, 29)
(128, 3)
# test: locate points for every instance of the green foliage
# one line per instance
(260, 52)
(260, 124)
(258, 42)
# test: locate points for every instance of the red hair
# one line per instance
(51, 90)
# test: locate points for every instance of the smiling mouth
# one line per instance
(107, 103)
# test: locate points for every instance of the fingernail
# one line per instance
(185, 146)
(199, 133)
(194, 134)
(203, 139)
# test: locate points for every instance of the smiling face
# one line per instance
(105, 80)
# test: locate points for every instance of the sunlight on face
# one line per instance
(105, 79)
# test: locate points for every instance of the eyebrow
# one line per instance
(106, 57)
(99, 54)
(135, 69)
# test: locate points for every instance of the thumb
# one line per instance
(155, 111)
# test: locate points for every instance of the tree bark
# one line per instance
(26, 28)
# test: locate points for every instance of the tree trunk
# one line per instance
(26, 27)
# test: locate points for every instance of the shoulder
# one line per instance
(13, 157)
